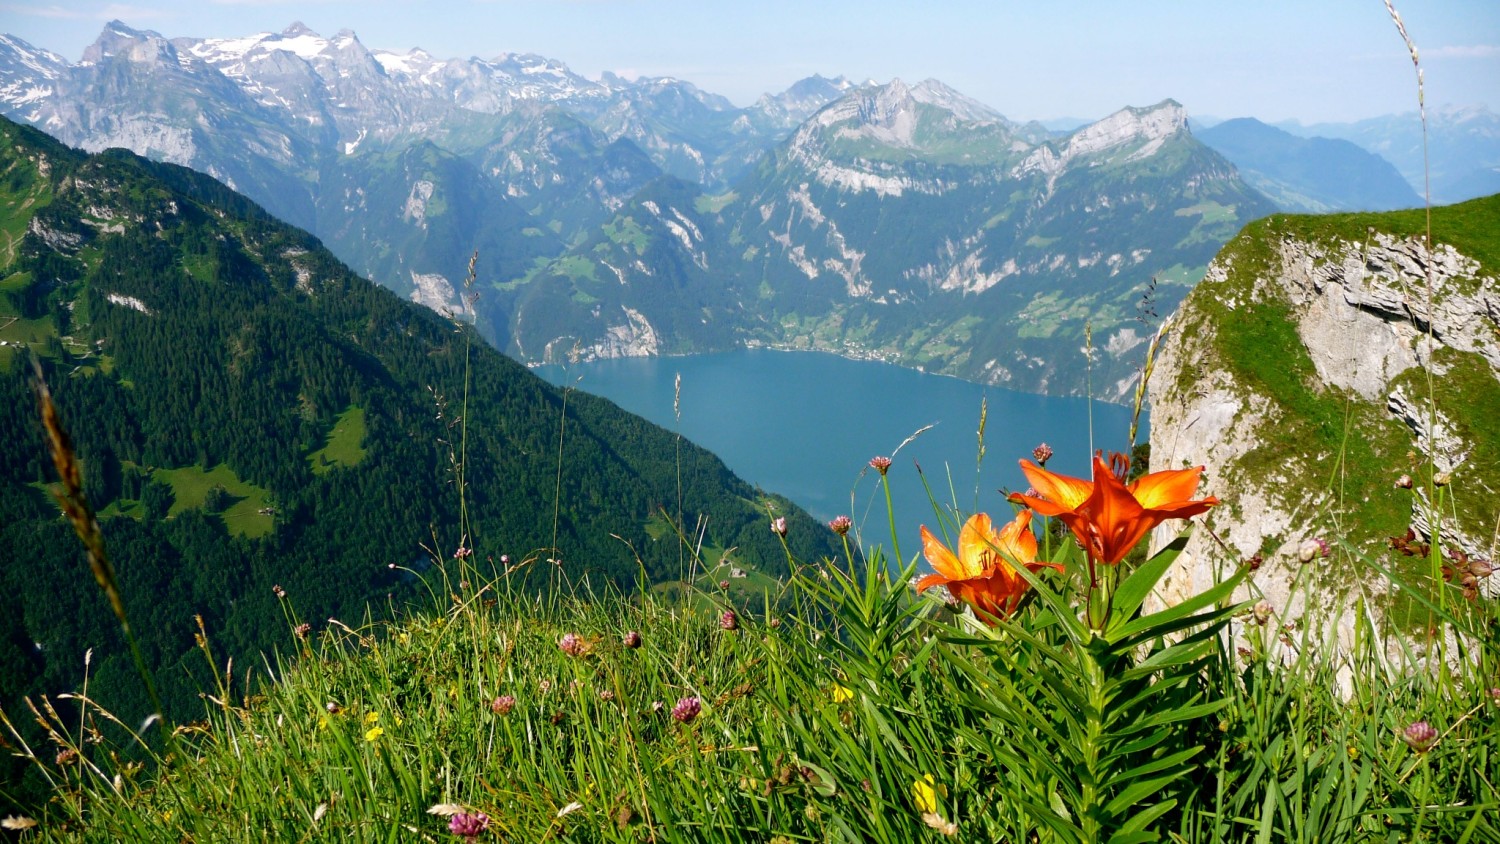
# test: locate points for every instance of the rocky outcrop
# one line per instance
(1140, 131)
(635, 337)
(1369, 314)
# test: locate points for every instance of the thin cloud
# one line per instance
(276, 2)
(1472, 51)
(113, 11)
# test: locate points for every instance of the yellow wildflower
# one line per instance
(924, 792)
(373, 734)
(372, 717)
(841, 694)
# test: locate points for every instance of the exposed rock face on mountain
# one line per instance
(1298, 373)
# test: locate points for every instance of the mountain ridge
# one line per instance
(917, 200)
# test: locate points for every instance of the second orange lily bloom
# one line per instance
(1108, 516)
(982, 574)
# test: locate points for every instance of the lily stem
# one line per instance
(891, 514)
(1089, 817)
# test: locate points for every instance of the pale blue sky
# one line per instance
(1311, 60)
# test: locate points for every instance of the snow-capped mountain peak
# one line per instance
(44, 63)
(28, 75)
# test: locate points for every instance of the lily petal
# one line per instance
(977, 544)
(939, 557)
(1016, 541)
(1061, 490)
(1172, 486)
(928, 581)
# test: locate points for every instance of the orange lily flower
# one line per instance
(1107, 516)
(982, 574)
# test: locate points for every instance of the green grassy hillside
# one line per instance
(250, 414)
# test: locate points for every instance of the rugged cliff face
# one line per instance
(1302, 373)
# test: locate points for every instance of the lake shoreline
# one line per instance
(806, 425)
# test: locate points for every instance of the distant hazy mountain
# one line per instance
(1309, 175)
(1065, 125)
(1463, 146)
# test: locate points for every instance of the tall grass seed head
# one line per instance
(944, 827)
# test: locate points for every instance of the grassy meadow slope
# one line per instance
(210, 362)
(851, 713)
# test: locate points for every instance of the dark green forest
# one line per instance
(180, 327)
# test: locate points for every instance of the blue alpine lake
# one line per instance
(805, 425)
